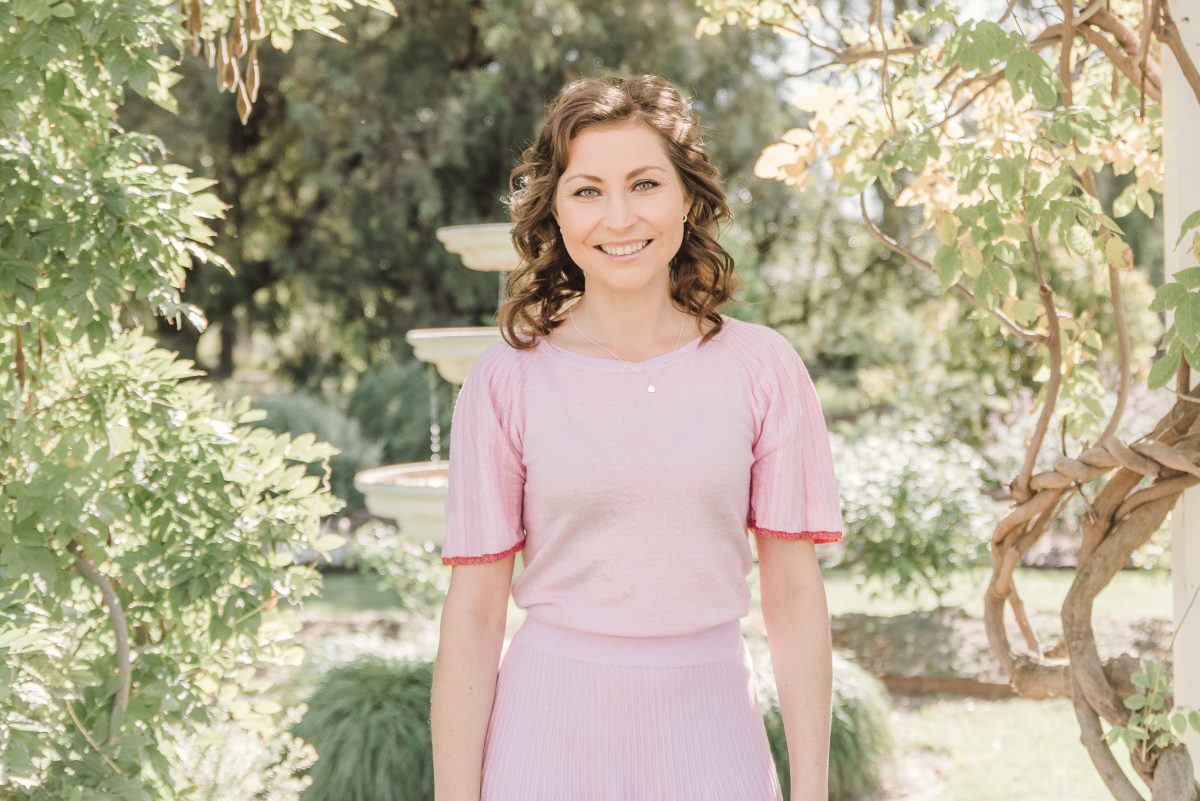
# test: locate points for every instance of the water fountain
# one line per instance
(413, 494)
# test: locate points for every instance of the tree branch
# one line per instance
(116, 616)
(1168, 33)
(894, 246)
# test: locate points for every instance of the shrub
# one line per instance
(304, 413)
(914, 504)
(414, 570)
(229, 762)
(391, 406)
(369, 722)
(861, 739)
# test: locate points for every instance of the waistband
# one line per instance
(714, 644)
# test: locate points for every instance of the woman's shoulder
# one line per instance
(760, 346)
(499, 365)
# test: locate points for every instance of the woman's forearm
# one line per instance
(801, 657)
(464, 687)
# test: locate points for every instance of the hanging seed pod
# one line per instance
(223, 63)
(233, 74)
(243, 103)
(256, 24)
(237, 36)
(253, 76)
(210, 52)
(194, 18)
(195, 43)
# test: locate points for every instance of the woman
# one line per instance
(627, 447)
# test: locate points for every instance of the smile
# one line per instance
(625, 249)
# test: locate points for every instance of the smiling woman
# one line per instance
(627, 467)
(618, 195)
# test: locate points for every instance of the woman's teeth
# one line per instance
(624, 250)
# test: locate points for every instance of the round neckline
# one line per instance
(601, 363)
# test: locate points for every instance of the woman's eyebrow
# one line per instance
(638, 171)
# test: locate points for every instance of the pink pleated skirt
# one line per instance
(591, 717)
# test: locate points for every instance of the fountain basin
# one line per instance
(487, 247)
(411, 493)
(452, 350)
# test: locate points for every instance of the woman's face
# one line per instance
(620, 204)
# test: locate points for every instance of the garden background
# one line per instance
(217, 224)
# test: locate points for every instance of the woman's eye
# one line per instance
(647, 183)
(581, 192)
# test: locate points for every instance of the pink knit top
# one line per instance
(633, 509)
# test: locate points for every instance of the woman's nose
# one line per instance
(618, 213)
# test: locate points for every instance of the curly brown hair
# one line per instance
(548, 279)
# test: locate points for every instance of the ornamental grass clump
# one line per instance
(861, 740)
(369, 722)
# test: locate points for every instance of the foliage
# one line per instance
(226, 762)
(356, 154)
(913, 503)
(391, 404)
(861, 741)
(1152, 722)
(993, 178)
(304, 413)
(1001, 152)
(146, 531)
(369, 721)
(413, 570)
(1182, 339)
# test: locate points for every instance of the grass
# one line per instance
(1041, 590)
(997, 751)
(349, 592)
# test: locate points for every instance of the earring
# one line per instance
(685, 218)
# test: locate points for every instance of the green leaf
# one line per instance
(329, 542)
(1079, 240)
(948, 266)
(1188, 278)
(1168, 296)
(1125, 201)
(1187, 319)
(1162, 372)
(1191, 222)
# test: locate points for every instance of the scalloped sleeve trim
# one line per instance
(487, 557)
(815, 536)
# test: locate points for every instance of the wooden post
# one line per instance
(1181, 196)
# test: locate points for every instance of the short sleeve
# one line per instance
(485, 496)
(793, 489)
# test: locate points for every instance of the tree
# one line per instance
(146, 531)
(356, 154)
(997, 133)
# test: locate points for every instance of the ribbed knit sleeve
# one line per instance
(793, 490)
(487, 475)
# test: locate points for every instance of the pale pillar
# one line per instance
(1181, 196)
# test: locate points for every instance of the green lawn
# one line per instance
(976, 750)
(1041, 590)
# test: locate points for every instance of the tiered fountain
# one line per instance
(413, 494)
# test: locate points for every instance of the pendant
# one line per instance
(650, 388)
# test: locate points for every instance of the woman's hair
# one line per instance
(702, 277)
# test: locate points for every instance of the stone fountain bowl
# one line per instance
(452, 350)
(411, 493)
(487, 247)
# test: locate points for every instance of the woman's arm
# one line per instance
(797, 620)
(464, 675)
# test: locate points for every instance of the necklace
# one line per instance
(650, 386)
